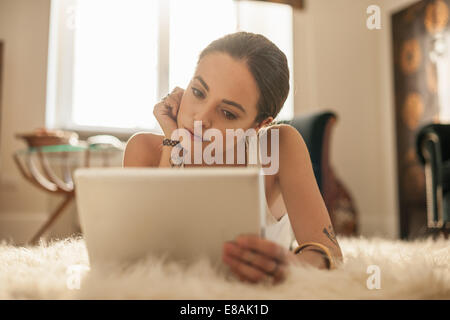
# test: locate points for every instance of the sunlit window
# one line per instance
(115, 63)
(118, 59)
(274, 21)
(191, 30)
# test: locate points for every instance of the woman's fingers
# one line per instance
(255, 259)
(252, 266)
(177, 94)
(243, 270)
(171, 107)
(259, 261)
(174, 101)
(264, 246)
(166, 111)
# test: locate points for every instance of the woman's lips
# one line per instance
(196, 138)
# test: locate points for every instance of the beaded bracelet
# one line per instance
(173, 143)
(170, 142)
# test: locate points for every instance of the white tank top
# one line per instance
(278, 231)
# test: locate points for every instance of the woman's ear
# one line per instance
(263, 123)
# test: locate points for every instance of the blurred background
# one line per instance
(97, 67)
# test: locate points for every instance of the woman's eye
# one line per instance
(197, 93)
(229, 115)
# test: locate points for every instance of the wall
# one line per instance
(24, 29)
(339, 65)
(343, 66)
(388, 94)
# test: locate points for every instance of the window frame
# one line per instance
(60, 70)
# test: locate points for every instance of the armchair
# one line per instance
(433, 151)
(315, 129)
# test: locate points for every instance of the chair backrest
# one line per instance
(312, 127)
(443, 133)
(433, 151)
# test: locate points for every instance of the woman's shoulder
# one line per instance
(280, 126)
(285, 135)
(143, 149)
(289, 144)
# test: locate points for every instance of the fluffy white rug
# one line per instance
(408, 270)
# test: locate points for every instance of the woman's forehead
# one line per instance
(228, 78)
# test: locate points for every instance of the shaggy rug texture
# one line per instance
(418, 269)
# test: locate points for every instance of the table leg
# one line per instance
(52, 218)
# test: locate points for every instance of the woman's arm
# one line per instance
(304, 203)
(142, 150)
(146, 150)
(255, 259)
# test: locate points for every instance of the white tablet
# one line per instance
(181, 214)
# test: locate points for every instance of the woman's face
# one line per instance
(222, 94)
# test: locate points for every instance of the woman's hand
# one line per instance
(166, 111)
(254, 259)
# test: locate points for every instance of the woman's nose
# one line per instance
(205, 117)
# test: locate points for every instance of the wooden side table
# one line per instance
(34, 165)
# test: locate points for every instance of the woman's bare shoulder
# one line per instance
(286, 135)
(143, 149)
(290, 146)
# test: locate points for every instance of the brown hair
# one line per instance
(267, 63)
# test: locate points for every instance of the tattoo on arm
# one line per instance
(330, 234)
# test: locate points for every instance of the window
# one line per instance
(275, 21)
(110, 61)
(115, 63)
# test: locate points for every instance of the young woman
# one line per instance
(241, 81)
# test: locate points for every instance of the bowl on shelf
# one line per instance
(48, 137)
